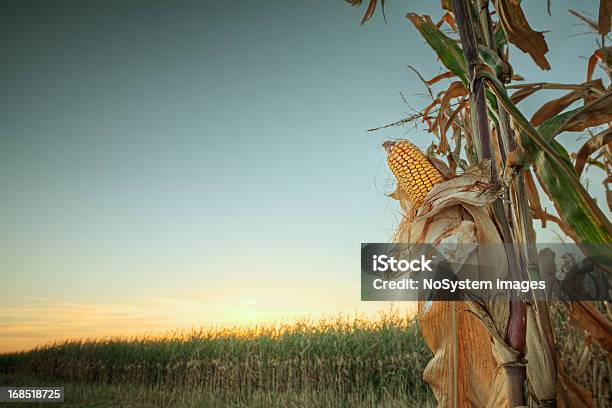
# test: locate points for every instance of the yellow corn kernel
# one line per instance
(414, 172)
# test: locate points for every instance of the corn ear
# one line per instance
(415, 174)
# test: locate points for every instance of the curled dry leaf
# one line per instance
(604, 55)
(451, 118)
(441, 167)
(595, 113)
(440, 77)
(556, 106)
(455, 90)
(592, 145)
(524, 93)
(519, 33)
(585, 358)
(551, 108)
(370, 10)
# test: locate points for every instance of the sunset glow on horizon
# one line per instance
(44, 321)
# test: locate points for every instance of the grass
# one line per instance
(126, 395)
(328, 363)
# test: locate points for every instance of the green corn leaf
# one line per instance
(557, 176)
(500, 38)
(446, 48)
(551, 127)
(451, 55)
(491, 58)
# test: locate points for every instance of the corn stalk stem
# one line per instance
(477, 86)
(524, 232)
(517, 326)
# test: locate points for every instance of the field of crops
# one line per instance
(327, 363)
(333, 362)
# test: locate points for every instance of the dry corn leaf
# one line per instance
(534, 198)
(592, 114)
(524, 93)
(440, 77)
(519, 33)
(455, 90)
(552, 108)
(592, 145)
(451, 118)
(605, 17)
(404, 199)
(556, 106)
(441, 167)
(370, 10)
(599, 327)
(448, 19)
(590, 23)
(525, 90)
(428, 108)
(604, 55)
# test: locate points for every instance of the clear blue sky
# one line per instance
(171, 164)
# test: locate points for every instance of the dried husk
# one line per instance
(464, 370)
(468, 337)
(541, 369)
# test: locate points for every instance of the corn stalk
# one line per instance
(519, 147)
(516, 373)
(520, 212)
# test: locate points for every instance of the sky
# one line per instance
(169, 165)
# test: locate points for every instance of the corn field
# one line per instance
(338, 358)
(331, 362)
